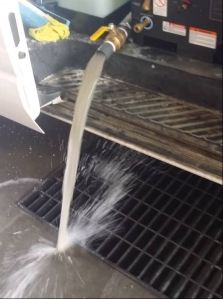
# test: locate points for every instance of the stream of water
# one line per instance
(83, 102)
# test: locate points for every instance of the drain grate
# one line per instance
(171, 225)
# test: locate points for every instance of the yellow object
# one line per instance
(51, 32)
(101, 30)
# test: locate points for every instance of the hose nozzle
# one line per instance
(138, 27)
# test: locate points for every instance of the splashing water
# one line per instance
(93, 220)
(23, 277)
(30, 267)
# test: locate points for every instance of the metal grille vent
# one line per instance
(168, 115)
(216, 10)
(171, 226)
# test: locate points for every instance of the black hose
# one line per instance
(107, 49)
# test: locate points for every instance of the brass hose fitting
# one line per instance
(147, 5)
(117, 36)
(115, 39)
(138, 27)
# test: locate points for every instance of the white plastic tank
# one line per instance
(98, 8)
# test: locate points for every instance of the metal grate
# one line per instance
(171, 225)
(169, 129)
(146, 106)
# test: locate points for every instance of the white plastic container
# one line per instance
(98, 8)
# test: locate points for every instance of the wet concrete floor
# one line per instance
(27, 154)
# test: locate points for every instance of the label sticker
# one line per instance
(203, 37)
(174, 28)
(160, 7)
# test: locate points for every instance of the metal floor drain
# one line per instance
(171, 225)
